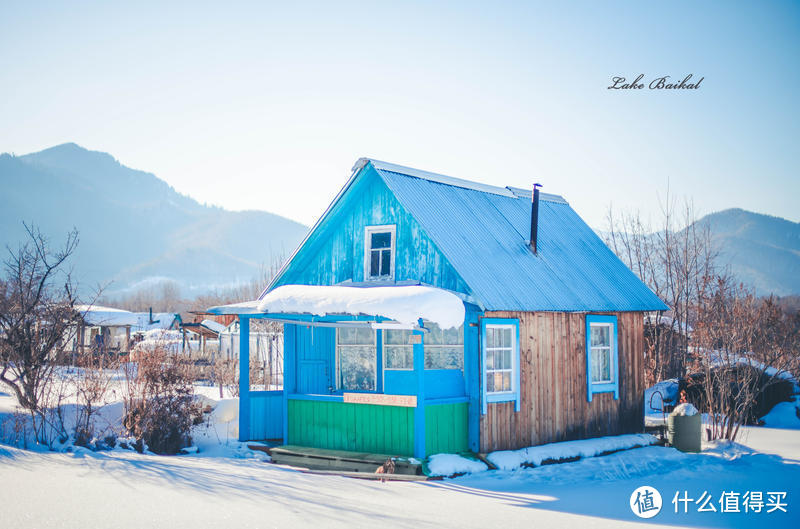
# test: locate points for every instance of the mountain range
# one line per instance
(761, 250)
(135, 229)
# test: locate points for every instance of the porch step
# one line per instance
(264, 446)
(373, 476)
(341, 461)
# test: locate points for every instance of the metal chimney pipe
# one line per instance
(534, 217)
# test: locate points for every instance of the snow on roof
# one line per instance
(108, 316)
(213, 325)
(245, 307)
(405, 304)
(111, 317)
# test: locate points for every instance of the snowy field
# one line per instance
(227, 485)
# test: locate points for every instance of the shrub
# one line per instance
(730, 381)
(160, 407)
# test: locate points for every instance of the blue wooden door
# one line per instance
(315, 352)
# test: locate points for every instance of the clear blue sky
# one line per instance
(253, 106)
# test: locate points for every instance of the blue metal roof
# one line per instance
(483, 231)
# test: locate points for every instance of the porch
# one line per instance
(362, 382)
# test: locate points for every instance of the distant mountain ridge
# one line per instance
(134, 228)
(761, 250)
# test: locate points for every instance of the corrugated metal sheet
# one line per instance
(484, 236)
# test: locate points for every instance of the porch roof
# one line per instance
(403, 304)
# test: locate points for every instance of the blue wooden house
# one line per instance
(426, 314)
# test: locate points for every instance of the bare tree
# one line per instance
(36, 315)
(92, 381)
(674, 260)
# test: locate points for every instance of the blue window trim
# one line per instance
(612, 386)
(511, 395)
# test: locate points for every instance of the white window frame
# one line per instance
(368, 231)
(384, 355)
(602, 386)
(607, 348)
(337, 359)
(501, 396)
(511, 348)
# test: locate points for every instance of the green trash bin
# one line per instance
(683, 432)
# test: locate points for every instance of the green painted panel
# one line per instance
(446, 428)
(354, 427)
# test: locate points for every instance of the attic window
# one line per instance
(379, 250)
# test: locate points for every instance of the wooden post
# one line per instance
(472, 376)
(244, 378)
(289, 378)
(419, 411)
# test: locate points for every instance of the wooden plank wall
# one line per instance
(266, 415)
(353, 427)
(553, 384)
(446, 428)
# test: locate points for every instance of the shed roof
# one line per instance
(112, 317)
(483, 231)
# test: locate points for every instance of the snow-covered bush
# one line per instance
(160, 408)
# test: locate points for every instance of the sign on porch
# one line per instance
(407, 401)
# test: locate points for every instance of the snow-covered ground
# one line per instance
(225, 484)
(124, 489)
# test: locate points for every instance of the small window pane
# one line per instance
(498, 359)
(444, 358)
(601, 365)
(396, 337)
(374, 264)
(506, 381)
(489, 383)
(357, 365)
(507, 359)
(505, 337)
(453, 336)
(601, 335)
(346, 335)
(355, 336)
(398, 357)
(381, 239)
(498, 381)
(434, 335)
(386, 261)
(491, 337)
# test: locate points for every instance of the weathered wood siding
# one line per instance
(334, 252)
(553, 384)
